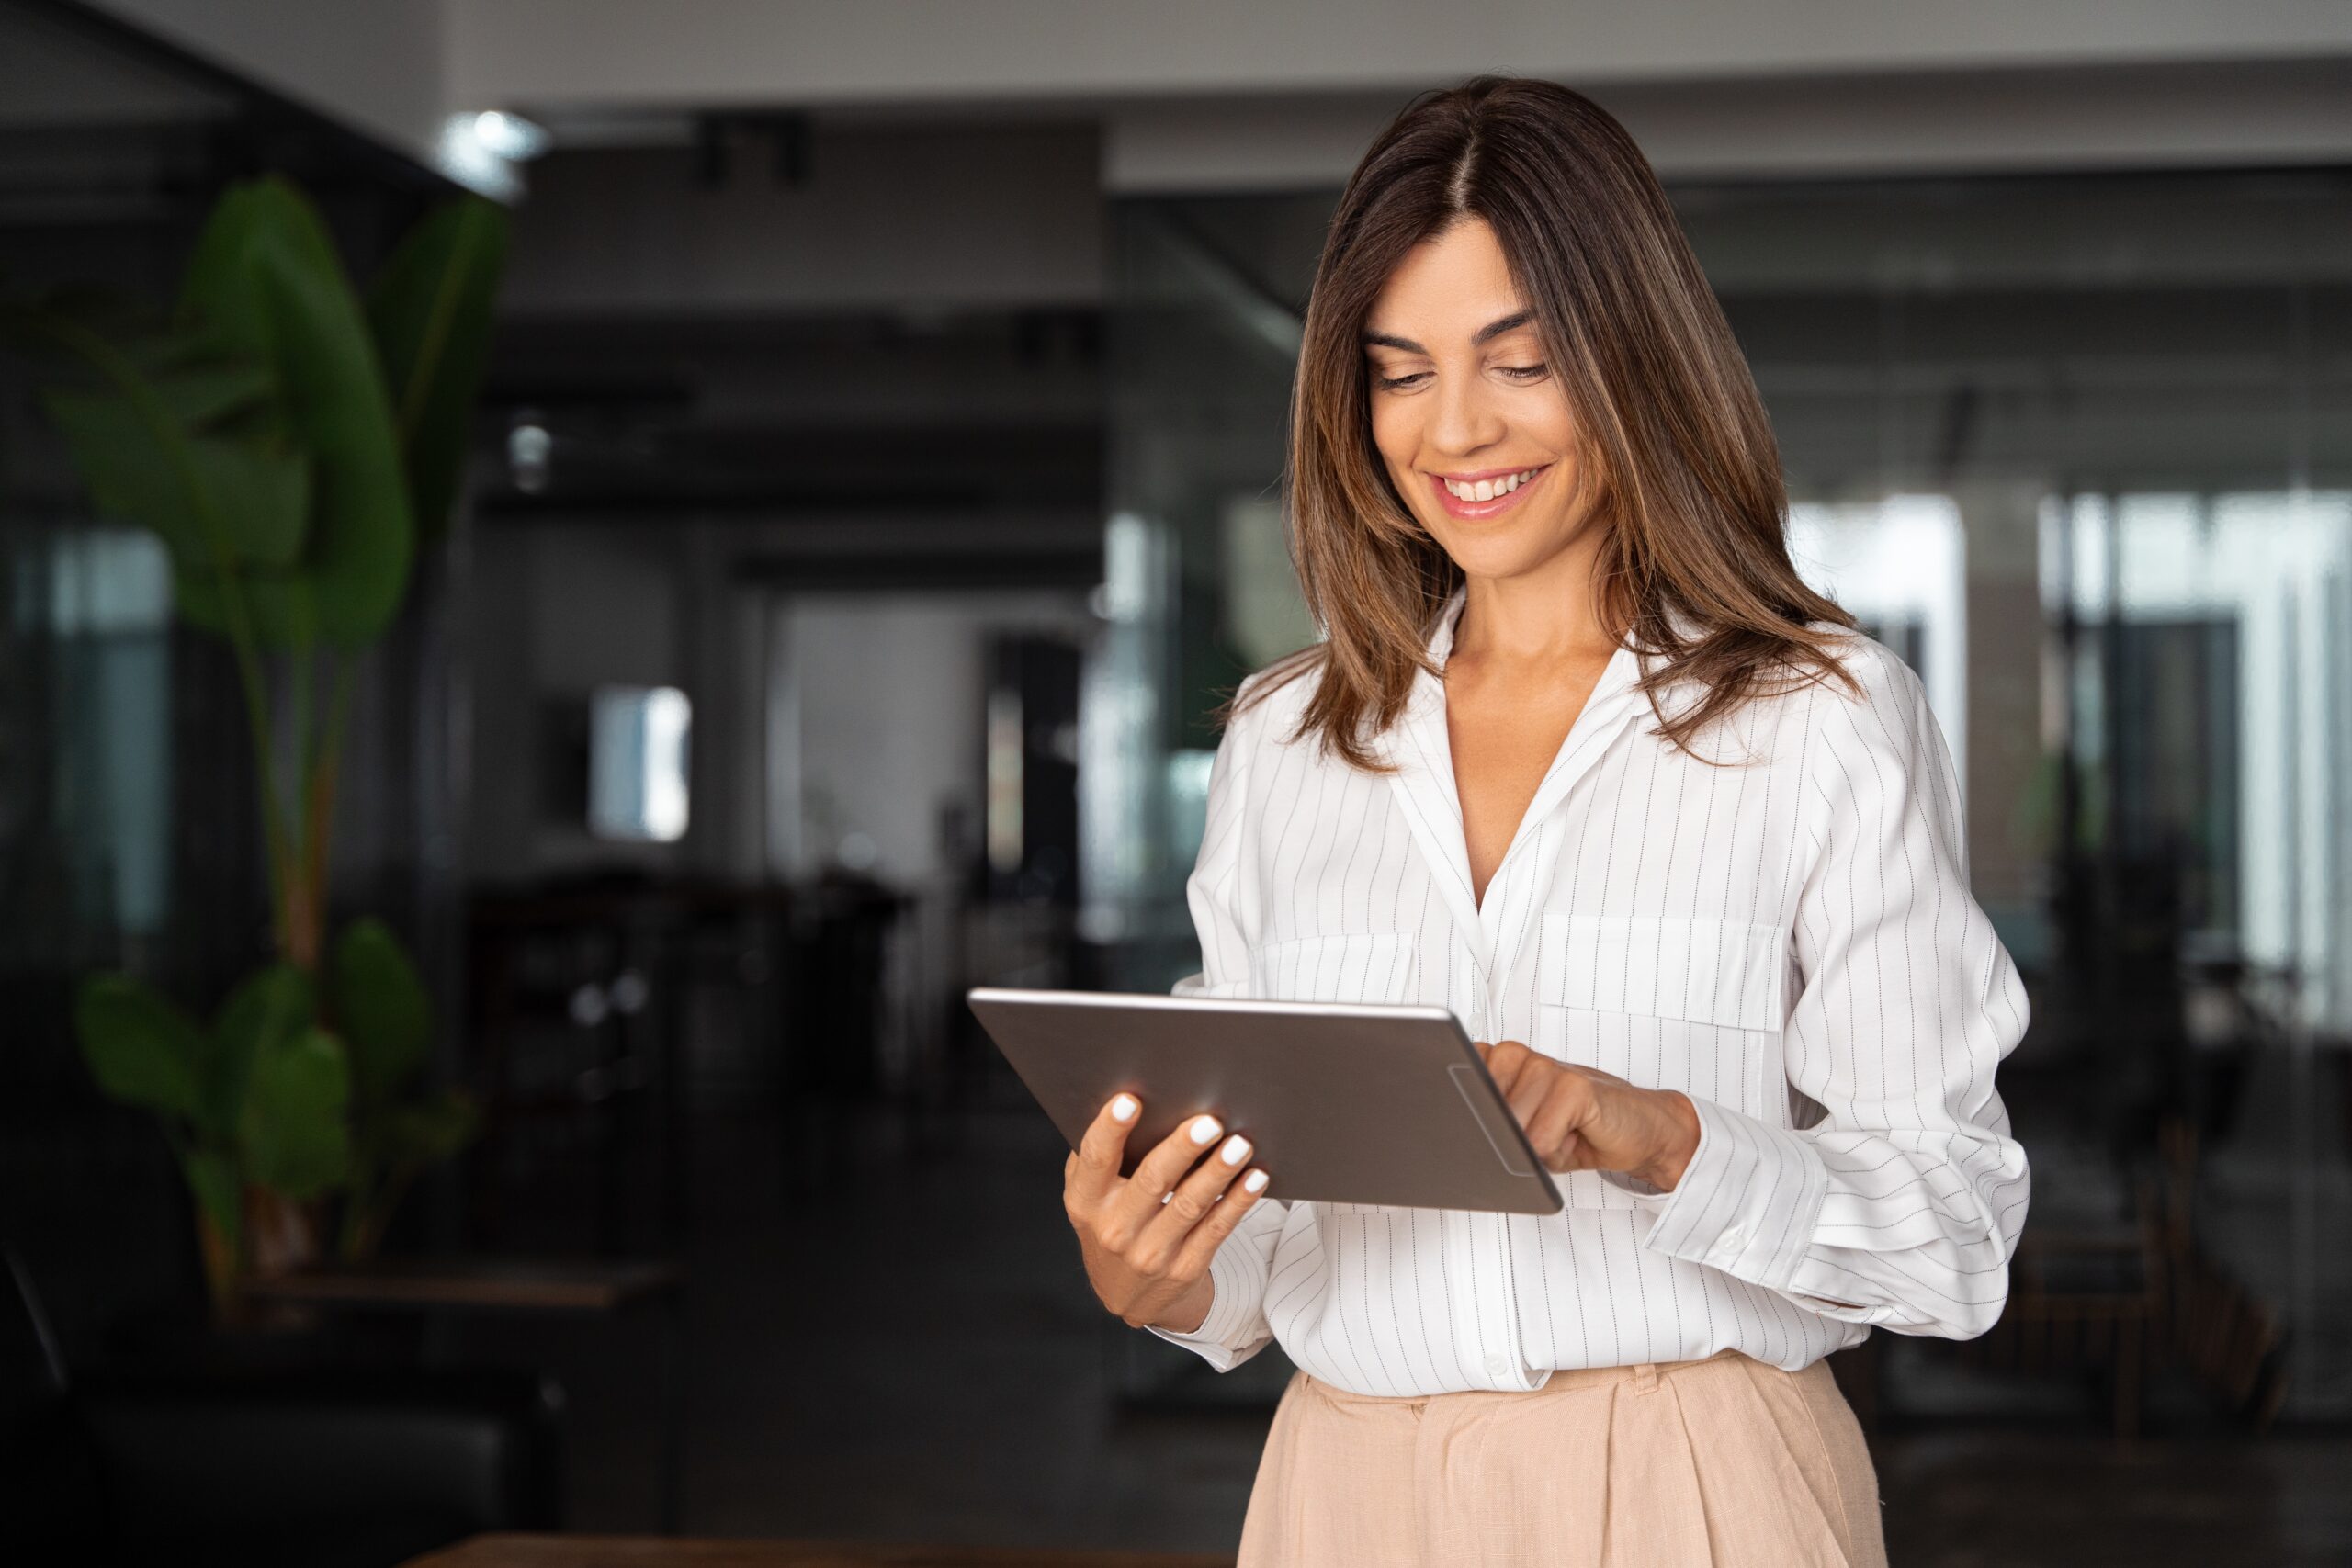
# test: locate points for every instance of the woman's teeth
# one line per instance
(1486, 489)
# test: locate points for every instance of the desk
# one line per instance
(484, 1284)
(656, 1551)
(511, 1285)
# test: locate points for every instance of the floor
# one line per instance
(903, 1349)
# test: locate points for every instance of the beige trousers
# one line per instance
(1725, 1463)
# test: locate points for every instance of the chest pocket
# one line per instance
(1377, 966)
(1668, 1001)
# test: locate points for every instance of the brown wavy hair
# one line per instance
(1680, 458)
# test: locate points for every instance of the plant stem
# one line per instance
(440, 321)
(299, 661)
(319, 787)
(304, 917)
(222, 1251)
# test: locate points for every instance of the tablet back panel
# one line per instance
(1344, 1102)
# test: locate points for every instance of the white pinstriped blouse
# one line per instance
(1791, 943)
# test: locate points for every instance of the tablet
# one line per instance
(1344, 1102)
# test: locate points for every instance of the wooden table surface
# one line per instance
(480, 1283)
(660, 1552)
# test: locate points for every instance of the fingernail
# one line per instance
(1236, 1150)
(1204, 1129)
(1123, 1107)
(1255, 1181)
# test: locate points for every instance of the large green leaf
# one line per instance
(380, 1009)
(130, 473)
(220, 294)
(197, 377)
(212, 1177)
(142, 1049)
(264, 495)
(259, 491)
(431, 309)
(295, 1140)
(270, 1007)
(276, 603)
(265, 280)
(205, 391)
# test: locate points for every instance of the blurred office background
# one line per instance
(873, 488)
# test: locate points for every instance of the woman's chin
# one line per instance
(1503, 551)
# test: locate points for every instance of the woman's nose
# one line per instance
(1464, 419)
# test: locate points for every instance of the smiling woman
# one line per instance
(1725, 968)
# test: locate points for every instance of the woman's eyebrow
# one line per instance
(1492, 329)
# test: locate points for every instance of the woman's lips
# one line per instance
(1457, 507)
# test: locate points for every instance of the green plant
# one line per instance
(301, 1087)
(396, 1128)
(290, 447)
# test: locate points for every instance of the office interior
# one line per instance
(871, 488)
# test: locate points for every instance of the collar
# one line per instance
(1441, 647)
(1420, 750)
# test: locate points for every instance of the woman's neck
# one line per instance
(1539, 618)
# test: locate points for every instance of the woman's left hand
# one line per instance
(1580, 1118)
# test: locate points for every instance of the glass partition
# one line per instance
(1197, 586)
(128, 832)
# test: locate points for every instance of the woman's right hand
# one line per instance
(1148, 1260)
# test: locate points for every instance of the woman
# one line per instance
(1737, 990)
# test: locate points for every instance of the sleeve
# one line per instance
(1236, 1327)
(1902, 1205)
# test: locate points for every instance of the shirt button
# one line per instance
(1495, 1366)
(1733, 1238)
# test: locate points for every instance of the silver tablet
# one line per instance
(1346, 1102)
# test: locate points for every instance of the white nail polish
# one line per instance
(1236, 1150)
(1255, 1181)
(1204, 1129)
(1123, 1107)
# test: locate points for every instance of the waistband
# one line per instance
(1563, 1379)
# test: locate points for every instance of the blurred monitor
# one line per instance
(637, 762)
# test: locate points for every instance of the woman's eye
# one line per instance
(1517, 372)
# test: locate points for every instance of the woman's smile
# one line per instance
(1460, 494)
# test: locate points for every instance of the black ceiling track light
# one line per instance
(717, 136)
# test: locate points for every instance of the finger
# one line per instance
(1195, 1198)
(1505, 1061)
(1529, 1090)
(1241, 1197)
(1503, 1069)
(1135, 1202)
(1552, 1128)
(1102, 1148)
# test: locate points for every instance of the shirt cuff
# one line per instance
(1747, 1203)
(1229, 1334)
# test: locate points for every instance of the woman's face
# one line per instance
(1462, 401)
